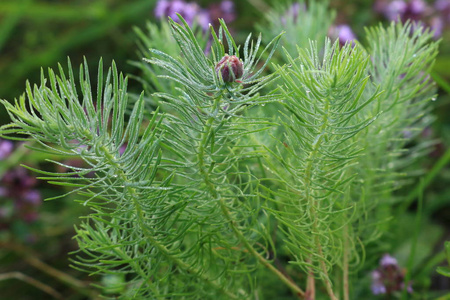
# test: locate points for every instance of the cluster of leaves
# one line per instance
(205, 184)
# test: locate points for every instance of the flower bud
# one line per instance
(230, 68)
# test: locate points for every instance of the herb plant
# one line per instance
(222, 174)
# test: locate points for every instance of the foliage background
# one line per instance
(38, 33)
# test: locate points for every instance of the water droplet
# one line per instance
(414, 55)
(433, 99)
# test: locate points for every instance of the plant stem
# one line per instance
(345, 266)
(310, 286)
(30, 280)
(150, 235)
(298, 291)
(212, 190)
(32, 259)
(313, 204)
(412, 253)
(428, 179)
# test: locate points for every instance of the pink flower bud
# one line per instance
(230, 68)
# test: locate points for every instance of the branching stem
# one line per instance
(313, 204)
(213, 191)
(150, 235)
(33, 260)
(345, 265)
(30, 280)
(310, 285)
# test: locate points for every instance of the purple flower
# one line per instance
(224, 10)
(342, 32)
(227, 6)
(388, 261)
(293, 12)
(17, 180)
(443, 7)
(203, 19)
(393, 10)
(18, 186)
(388, 277)
(416, 8)
(437, 25)
(6, 147)
(442, 4)
(190, 11)
(437, 17)
(377, 283)
(32, 197)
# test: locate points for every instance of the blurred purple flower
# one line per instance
(437, 25)
(443, 7)
(393, 10)
(192, 12)
(377, 283)
(416, 9)
(437, 17)
(227, 6)
(224, 9)
(387, 261)
(203, 19)
(18, 186)
(342, 32)
(6, 147)
(32, 197)
(407, 134)
(17, 181)
(388, 277)
(440, 21)
(293, 12)
(188, 10)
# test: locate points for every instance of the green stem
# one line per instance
(313, 205)
(238, 233)
(31, 281)
(33, 260)
(412, 254)
(440, 164)
(441, 81)
(150, 235)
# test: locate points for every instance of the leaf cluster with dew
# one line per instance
(195, 185)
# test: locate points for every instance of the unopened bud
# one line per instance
(230, 68)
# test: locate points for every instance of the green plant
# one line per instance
(445, 270)
(197, 197)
